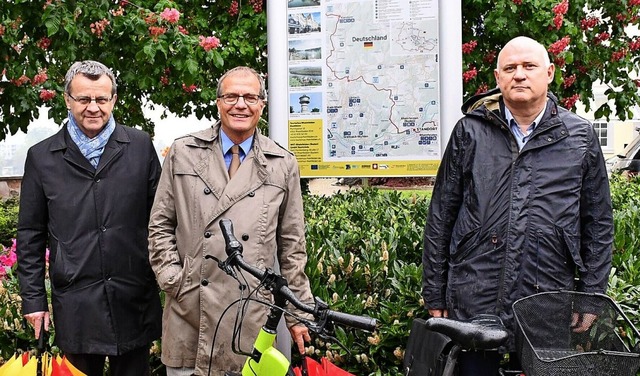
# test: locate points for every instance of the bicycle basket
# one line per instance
(548, 345)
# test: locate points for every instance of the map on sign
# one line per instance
(382, 84)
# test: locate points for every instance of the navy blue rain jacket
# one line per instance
(505, 223)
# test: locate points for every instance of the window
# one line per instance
(601, 129)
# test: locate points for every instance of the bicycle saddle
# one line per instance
(482, 332)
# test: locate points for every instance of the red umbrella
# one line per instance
(333, 370)
(311, 367)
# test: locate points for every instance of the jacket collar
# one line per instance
(492, 101)
(59, 140)
(260, 148)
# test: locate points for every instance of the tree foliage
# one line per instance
(165, 53)
(590, 41)
(170, 52)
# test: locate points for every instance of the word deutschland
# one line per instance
(368, 39)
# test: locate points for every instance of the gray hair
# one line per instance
(92, 70)
(246, 71)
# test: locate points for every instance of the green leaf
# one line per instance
(192, 66)
(149, 51)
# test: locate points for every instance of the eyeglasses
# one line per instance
(248, 98)
(86, 100)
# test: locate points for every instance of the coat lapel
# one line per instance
(72, 154)
(114, 147)
(70, 151)
(249, 177)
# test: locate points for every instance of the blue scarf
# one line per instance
(91, 148)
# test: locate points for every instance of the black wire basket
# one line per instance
(551, 341)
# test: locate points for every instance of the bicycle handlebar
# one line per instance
(233, 248)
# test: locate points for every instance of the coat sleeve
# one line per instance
(292, 253)
(443, 211)
(154, 176)
(163, 252)
(32, 238)
(596, 221)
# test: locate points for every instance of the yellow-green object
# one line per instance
(272, 362)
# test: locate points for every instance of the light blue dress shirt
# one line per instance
(515, 128)
(245, 146)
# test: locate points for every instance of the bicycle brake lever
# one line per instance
(224, 265)
(320, 329)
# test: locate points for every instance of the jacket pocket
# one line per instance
(572, 245)
(185, 282)
(467, 244)
(60, 276)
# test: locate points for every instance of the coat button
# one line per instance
(549, 139)
(204, 282)
(245, 237)
(97, 180)
(207, 191)
(207, 234)
(103, 229)
(251, 194)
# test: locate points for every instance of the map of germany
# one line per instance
(382, 86)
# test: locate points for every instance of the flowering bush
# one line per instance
(365, 251)
(15, 334)
(167, 52)
(163, 50)
(8, 259)
(364, 257)
(588, 40)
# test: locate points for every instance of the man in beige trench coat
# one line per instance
(264, 201)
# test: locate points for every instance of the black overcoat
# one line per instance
(94, 221)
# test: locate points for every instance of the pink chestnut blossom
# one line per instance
(189, 89)
(47, 95)
(209, 43)
(170, 15)
(40, 78)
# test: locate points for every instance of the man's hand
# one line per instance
(35, 319)
(581, 322)
(439, 313)
(300, 335)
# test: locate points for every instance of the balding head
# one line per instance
(523, 75)
(522, 42)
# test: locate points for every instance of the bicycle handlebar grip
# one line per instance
(230, 240)
(358, 322)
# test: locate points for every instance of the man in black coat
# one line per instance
(521, 203)
(86, 194)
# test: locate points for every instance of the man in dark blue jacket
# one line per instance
(521, 202)
(87, 193)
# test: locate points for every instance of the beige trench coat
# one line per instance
(264, 201)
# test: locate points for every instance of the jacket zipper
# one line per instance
(494, 240)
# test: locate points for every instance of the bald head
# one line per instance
(523, 75)
(525, 43)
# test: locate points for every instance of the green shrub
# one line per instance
(8, 220)
(365, 255)
(625, 191)
(624, 282)
(365, 252)
(348, 234)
